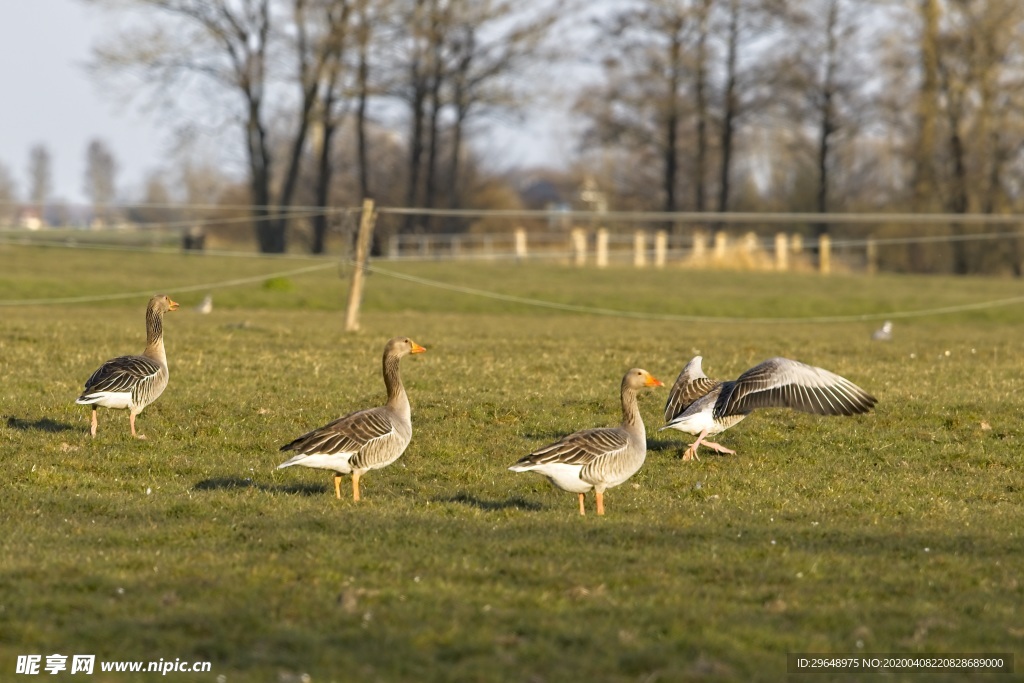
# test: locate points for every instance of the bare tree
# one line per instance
(748, 72)
(8, 197)
(648, 58)
(323, 32)
(824, 88)
(255, 51)
(40, 176)
(100, 179)
(460, 59)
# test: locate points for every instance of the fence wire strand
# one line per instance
(498, 296)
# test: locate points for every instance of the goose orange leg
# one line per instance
(600, 501)
(92, 427)
(131, 421)
(337, 486)
(355, 486)
(583, 510)
(691, 451)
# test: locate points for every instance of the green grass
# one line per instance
(899, 531)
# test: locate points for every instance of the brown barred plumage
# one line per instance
(704, 407)
(597, 459)
(366, 439)
(133, 382)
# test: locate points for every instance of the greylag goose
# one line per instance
(133, 382)
(704, 407)
(600, 458)
(366, 439)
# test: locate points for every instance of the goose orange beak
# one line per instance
(416, 348)
(171, 304)
(653, 381)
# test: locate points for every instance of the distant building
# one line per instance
(29, 219)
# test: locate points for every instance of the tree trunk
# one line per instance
(700, 165)
(433, 129)
(325, 173)
(958, 199)
(670, 151)
(415, 148)
(267, 236)
(729, 108)
(827, 122)
(364, 96)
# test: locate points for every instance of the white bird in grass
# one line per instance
(704, 407)
(206, 305)
(133, 382)
(597, 459)
(883, 333)
(366, 439)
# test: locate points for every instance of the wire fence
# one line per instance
(628, 238)
(865, 242)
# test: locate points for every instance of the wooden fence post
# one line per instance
(781, 251)
(660, 248)
(579, 246)
(796, 243)
(355, 291)
(602, 248)
(640, 249)
(520, 244)
(721, 245)
(871, 257)
(700, 248)
(825, 254)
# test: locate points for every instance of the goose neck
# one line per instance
(393, 381)
(631, 418)
(155, 336)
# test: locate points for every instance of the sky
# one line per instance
(49, 98)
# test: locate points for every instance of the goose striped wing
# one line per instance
(785, 383)
(122, 374)
(579, 448)
(348, 434)
(691, 385)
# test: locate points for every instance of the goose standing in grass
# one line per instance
(704, 407)
(133, 382)
(366, 439)
(600, 458)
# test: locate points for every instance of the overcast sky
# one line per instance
(50, 99)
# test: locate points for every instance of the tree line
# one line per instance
(702, 105)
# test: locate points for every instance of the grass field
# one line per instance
(895, 532)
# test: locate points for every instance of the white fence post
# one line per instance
(579, 246)
(520, 244)
(640, 249)
(871, 256)
(660, 248)
(602, 248)
(825, 254)
(796, 244)
(781, 252)
(700, 247)
(721, 245)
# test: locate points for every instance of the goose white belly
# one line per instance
(108, 399)
(608, 480)
(336, 462)
(698, 422)
(562, 475)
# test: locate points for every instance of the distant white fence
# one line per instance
(641, 248)
(762, 241)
